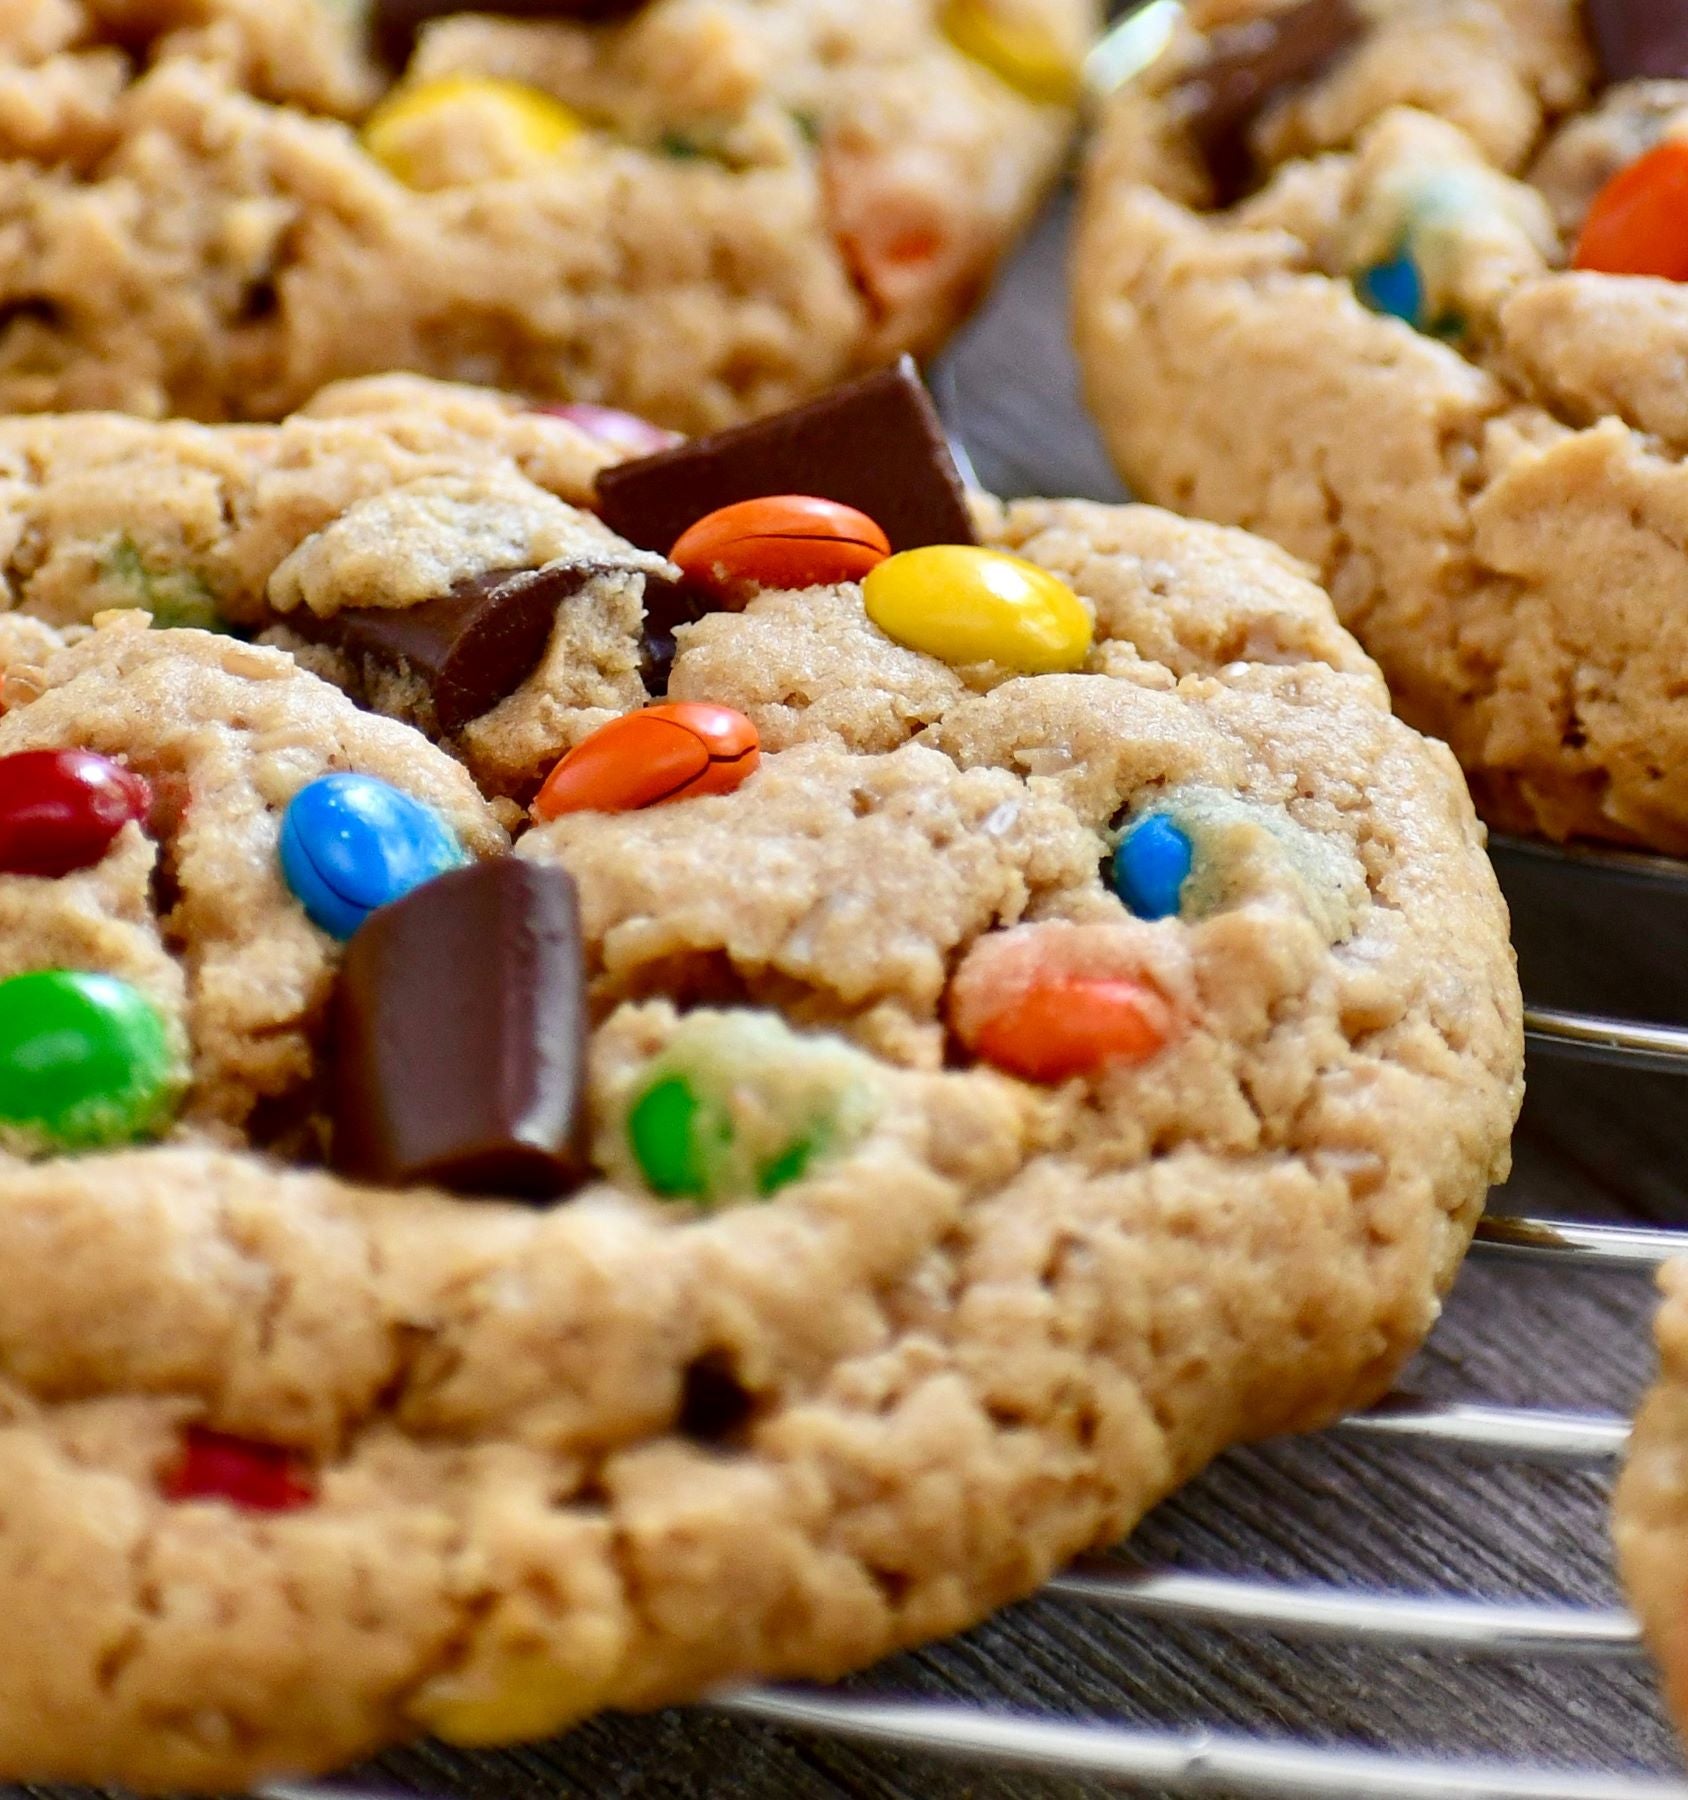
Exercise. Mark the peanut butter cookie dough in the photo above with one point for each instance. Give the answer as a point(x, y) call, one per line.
point(1356, 276)
point(1651, 1518)
point(998, 1012)
point(700, 210)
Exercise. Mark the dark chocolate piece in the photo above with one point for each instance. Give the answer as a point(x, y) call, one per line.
point(876, 444)
point(1248, 66)
point(668, 606)
point(474, 646)
point(1640, 38)
point(395, 25)
point(460, 1037)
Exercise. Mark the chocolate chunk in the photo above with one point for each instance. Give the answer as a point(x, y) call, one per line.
point(668, 606)
point(876, 444)
point(473, 646)
point(1248, 66)
point(394, 25)
point(1638, 38)
point(460, 1037)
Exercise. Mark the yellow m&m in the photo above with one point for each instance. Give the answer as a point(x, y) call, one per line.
point(967, 605)
point(1017, 51)
point(463, 127)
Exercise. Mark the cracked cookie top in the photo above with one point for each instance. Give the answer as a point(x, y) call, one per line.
point(698, 209)
point(1396, 240)
point(967, 1032)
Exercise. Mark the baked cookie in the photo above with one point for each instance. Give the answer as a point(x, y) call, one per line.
point(1651, 1503)
point(1013, 1015)
point(1365, 278)
point(697, 209)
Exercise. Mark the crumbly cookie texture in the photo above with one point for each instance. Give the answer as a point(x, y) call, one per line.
point(620, 1451)
point(383, 493)
point(199, 918)
point(1495, 501)
point(765, 197)
point(1650, 1518)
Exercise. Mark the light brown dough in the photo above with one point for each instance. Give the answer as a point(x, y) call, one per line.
point(623, 1450)
point(1500, 511)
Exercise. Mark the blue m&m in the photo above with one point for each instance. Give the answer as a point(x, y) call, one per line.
point(1151, 865)
point(351, 843)
point(1395, 288)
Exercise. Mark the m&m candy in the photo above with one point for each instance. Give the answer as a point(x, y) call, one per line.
point(1059, 1026)
point(85, 1060)
point(256, 1477)
point(1056, 1001)
point(61, 809)
point(1015, 50)
point(783, 541)
point(1638, 224)
point(1394, 288)
point(671, 752)
point(1151, 865)
point(528, 126)
point(617, 430)
point(351, 843)
point(967, 605)
point(739, 1106)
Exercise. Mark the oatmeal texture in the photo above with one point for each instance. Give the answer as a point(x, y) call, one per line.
point(762, 198)
point(622, 1450)
point(384, 493)
point(1496, 500)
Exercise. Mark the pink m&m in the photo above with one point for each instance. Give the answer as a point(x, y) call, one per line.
point(60, 809)
point(617, 430)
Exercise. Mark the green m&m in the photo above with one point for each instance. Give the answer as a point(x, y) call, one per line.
point(738, 1106)
point(85, 1061)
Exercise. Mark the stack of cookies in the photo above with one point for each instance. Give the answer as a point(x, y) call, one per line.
point(632, 1060)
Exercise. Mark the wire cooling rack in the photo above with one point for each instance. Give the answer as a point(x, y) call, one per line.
point(1246, 1767)
point(1206, 1763)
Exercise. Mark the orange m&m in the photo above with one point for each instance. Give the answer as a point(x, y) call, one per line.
point(1066, 1025)
point(1638, 224)
point(1056, 1000)
point(780, 541)
point(671, 752)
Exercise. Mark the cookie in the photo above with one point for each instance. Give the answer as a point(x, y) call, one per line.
point(385, 494)
point(1012, 1019)
point(1368, 303)
point(1651, 1502)
point(700, 210)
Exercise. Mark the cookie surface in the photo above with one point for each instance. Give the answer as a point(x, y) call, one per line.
point(700, 210)
point(1478, 446)
point(1650, 1519)
point(942, 1211)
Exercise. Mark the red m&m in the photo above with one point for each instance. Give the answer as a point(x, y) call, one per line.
point(253, 1476)
point(60, 809)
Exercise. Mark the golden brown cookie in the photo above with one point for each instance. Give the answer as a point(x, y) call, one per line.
point(1342, 310)
point(699, 210)
point(1004, 1026)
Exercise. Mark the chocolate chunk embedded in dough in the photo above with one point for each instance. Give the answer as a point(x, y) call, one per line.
point(394, 25)
point(1246, 67)
point(875, 444)
point(1640, 38)
point(460, 1037)
point(473, 646)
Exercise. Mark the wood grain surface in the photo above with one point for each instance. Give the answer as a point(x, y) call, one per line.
point(1595, 1143)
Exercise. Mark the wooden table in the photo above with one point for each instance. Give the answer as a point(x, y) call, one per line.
point(1594, 1143)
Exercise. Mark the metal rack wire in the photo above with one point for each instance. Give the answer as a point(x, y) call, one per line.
point(1205, 1763)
